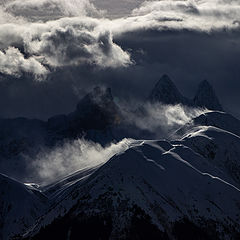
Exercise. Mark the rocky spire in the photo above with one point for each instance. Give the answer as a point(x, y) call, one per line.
point(206, 97)
point(166, 92)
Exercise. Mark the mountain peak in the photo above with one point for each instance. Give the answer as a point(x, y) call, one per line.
point(206, 97)
point(166, 92)
point(98, 96)
point(97, 109)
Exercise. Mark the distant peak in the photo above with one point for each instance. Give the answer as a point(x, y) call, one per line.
point(165, 79)
point(101, 91)
point(166, 92)
point(205, 84)
point(99, 96)
point(206, 97)
point(97, 109)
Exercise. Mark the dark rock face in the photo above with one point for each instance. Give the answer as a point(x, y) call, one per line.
point(166, 92)
point(206, 97)
point(96, 110)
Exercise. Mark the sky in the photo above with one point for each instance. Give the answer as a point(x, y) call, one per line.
point(54, 51)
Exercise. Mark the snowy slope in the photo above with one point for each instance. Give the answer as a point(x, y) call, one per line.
point(20, 206)
point(220, 147)
point(154, 183)
point(215, 136)
point(152, 189)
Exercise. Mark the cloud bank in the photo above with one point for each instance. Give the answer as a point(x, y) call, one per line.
point(56, 33)
point(71, 38)
point(73, 45)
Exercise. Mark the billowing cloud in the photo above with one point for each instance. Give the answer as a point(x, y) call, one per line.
point(81, 40)
point(64, 42)
point(189, 40)
point(194, 15)
point(44, 10)
point(12, 62)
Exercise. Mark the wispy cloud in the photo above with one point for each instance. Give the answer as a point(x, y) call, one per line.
point(76, 155)
point(162, 119)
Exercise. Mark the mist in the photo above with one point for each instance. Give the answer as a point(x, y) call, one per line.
point(162, 120)
point(53, 164)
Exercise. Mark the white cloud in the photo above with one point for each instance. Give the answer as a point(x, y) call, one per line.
point(12, 62)
point(64, 42)
point(163, 119)
point(193, 15)
point(36, 10)
point(73, 156)
point(189, 14)
point(79, 39)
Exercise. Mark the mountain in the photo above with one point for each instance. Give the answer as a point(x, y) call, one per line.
point(215, 136)
point(166, 92)
point(96, 110)
point(20, 206)
point(217, 119)
point(206, 97)
point(21, 139)
point(155, 190)
point(180, 188)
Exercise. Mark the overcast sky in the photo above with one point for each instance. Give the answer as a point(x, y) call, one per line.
point(53, 51)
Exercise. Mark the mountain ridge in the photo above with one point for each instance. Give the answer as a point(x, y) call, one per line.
point(166, 92)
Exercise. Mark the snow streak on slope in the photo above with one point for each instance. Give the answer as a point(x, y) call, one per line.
point(51, 165)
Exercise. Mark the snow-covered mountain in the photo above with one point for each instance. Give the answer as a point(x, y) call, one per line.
point(186, 187)
point(20, 206)
point(22, 139)
point(155, 190)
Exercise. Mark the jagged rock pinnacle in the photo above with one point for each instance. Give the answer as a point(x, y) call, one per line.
point(166, 92)
point(206, 97)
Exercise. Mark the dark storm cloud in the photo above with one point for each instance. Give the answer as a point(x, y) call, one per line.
point(189, 40)
point(188, 57)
